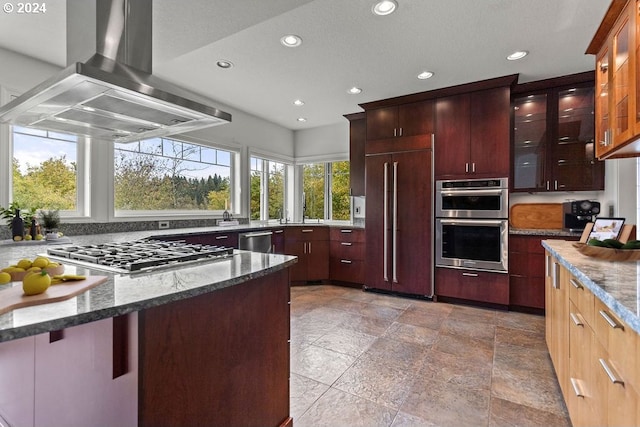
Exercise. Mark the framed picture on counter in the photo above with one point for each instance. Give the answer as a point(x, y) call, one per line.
point(606, 228)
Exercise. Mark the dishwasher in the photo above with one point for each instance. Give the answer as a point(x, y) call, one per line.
point(256, 241)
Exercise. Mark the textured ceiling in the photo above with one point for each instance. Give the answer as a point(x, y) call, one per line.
point(344, 45)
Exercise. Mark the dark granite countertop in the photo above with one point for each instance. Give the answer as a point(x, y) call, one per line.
point(122, 294)
point(544, 232)
point(616, 284)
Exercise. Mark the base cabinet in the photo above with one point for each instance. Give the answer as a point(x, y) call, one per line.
point(594, 353)
point(472, 285)
point(346, 262)
point(311, 246)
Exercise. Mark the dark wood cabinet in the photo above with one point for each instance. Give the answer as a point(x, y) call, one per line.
point(277, 241)
point(398, 228)
point(553, 137)
point(311, 246)
point(472, 135)
point(410, 119)
point(227, 239)
point(527, 271)
point(470, 285)
point(347, 255)
point(357, 140)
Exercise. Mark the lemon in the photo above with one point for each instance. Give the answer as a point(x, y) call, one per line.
point(17, 238)
point(27, 237)
point(53, 265)
point(34, 268)
point(4, 278)
point(40, 262)
point(39, 236)
point(36, 283)
point(24, 263)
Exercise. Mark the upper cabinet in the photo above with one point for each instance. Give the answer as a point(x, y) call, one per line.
point(553, 137)
point(472, 135)
point(616, 46)
point(400, 120)
point(357, 139)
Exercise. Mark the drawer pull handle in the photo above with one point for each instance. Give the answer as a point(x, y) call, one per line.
point(345, 261)
point(470, 274)
point(576, 387)
point(346, 231)
point(576, 284)
point(307, 230)
point(612, 376)
point(346, 243)
point(279, 231)
point(576, 319)
point(221, 237)
point(610, 321)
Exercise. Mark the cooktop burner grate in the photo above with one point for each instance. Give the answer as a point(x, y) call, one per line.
point(138, 255)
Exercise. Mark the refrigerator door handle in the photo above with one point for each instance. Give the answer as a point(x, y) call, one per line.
point(395, 221)
point(385, 222)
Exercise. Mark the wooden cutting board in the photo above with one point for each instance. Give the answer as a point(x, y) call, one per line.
point(14, 297)
point(536, 215)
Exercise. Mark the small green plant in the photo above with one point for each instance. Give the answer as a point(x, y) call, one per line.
point(50, 220)
point(9, 213)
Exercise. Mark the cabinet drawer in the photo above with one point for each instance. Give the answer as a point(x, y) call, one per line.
point(346, 270)
point(620, 342)
point(472, 285)
point(346, 234)
point(582, 298)
point(526, 244)
point(306, 233)
point(348, 250)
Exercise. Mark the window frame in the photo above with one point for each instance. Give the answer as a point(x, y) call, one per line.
point(327, 185)
point(288, 179)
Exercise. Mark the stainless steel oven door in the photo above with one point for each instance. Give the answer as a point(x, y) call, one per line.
point(469, 202)
point(472, 244)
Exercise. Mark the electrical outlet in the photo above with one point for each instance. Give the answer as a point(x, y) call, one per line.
point(163, 224)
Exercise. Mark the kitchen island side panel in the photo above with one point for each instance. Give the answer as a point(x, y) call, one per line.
point(218, 359)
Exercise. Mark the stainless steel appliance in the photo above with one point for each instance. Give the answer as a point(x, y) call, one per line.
point(257, 241)
point(577, 213)
point(138, 255)
point(112, 96)
point(472, 228)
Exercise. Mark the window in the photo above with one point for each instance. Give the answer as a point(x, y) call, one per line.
point(326, 190)
point(268, 189)
point(45, 170)
point(162, 174)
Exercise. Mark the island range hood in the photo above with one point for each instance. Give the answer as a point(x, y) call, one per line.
point(113, 95)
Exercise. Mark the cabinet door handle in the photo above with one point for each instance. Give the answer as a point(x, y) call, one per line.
point(395, 132)
point(470, 274)
point(279, 231)
point(577, 320)
point(305, 247)
point(221, 237)
point(473, 167)
point(555, 184)
point(400, 131)
point(548, 186)
point(576, 387)
point(346, 230)
point(576, 284)
point(345, 261)
point(308, 230)
point(610, 321)
point(466, 167)
point(309, 247)
point(346, 243)
point(610, 373)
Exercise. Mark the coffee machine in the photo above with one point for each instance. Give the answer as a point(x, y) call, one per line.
point(577, 213)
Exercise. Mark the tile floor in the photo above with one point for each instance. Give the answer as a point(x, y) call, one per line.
point(367, 359)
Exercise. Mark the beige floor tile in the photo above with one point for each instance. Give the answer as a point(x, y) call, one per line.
point(465, 346)
point(304, 392)
point(345, 341)
point(337, 408)
point(468, 327)
point(411, 334)
point(523, 338)
point(319, 363)
point(364, 324)
point(459, 370)
point(408, 420)
point(508, 414)
point(391, 352)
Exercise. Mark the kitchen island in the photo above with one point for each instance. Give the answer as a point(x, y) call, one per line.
point(203, 344)
point(592, 332)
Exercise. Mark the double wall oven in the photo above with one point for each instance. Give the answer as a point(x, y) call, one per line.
point(472, 227)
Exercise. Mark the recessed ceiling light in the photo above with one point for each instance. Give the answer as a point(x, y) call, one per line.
point(298, 102)
point(425, 75)
point(384, 7)
point(354, 90)
point(518, 54)
point(223, 63)
point(291, 40)
point(302, 119)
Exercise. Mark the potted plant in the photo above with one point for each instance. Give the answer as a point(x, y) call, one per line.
point(50, 220)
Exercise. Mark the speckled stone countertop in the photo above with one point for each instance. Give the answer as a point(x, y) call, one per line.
point(128, 293)
point(616, 284)
point(544, 232)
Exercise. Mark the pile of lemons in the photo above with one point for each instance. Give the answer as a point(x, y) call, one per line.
point(37, 279)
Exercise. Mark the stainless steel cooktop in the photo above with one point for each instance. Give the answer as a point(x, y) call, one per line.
point(138, 255)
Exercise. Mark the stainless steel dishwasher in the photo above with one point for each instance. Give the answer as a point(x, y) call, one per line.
point(256, 241)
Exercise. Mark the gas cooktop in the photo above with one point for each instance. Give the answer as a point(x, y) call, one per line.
point(137, 255)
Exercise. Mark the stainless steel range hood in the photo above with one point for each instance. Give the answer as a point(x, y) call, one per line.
point(113, 95)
